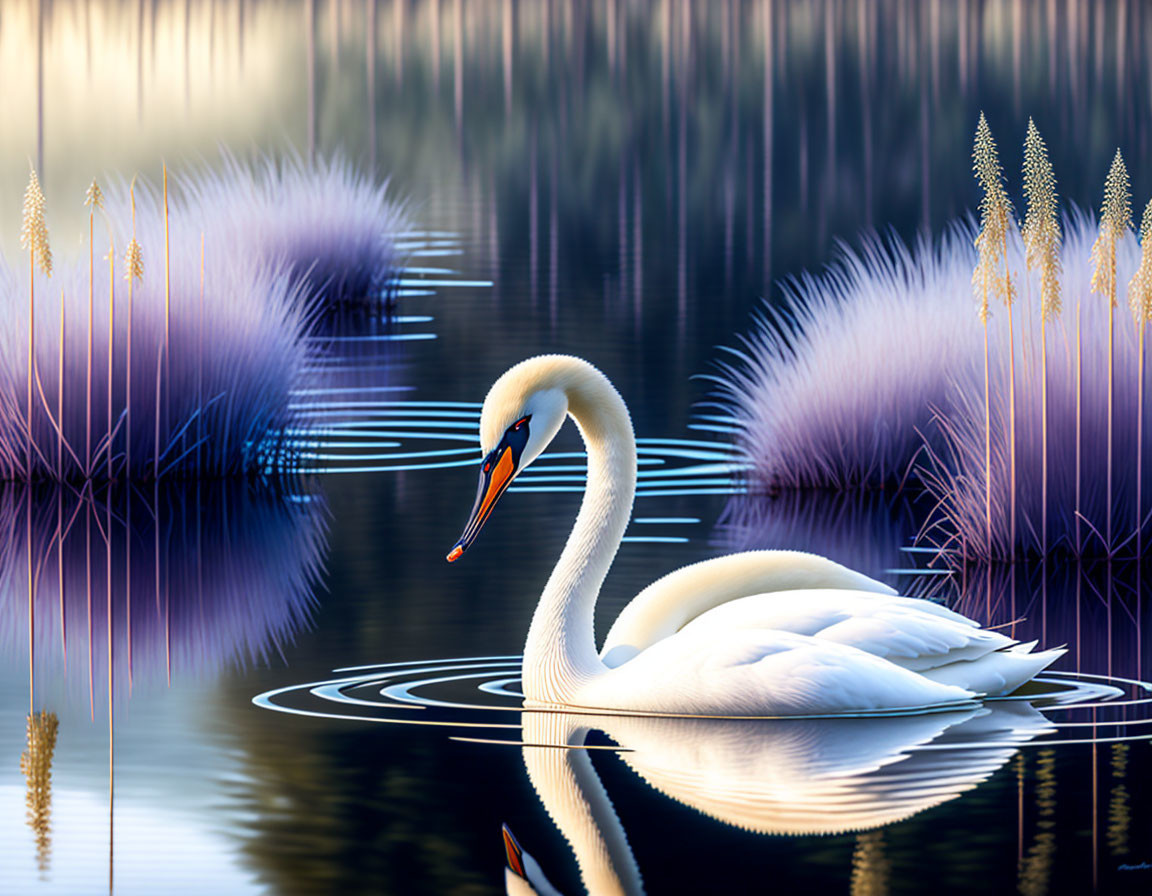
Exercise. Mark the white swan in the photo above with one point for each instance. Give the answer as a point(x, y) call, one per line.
point(760, 633)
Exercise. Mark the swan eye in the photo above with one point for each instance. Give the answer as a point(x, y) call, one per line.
point(521, 422)
point(487, 468)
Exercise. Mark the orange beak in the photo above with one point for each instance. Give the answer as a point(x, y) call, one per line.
point(496, 474)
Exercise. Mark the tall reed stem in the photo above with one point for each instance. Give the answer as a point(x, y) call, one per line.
point(987, 450)
point(1043, 434)
point(1011, 413)
point(1140, 445)
point(1079, 423)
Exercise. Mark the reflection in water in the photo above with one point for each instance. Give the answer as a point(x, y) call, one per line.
point(870, 865)
point(864, 530)
point(36, 764)
point(1036, 866)
point(792, 777)
point(209, 574)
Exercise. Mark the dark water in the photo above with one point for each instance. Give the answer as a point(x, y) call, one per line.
point(619, 180)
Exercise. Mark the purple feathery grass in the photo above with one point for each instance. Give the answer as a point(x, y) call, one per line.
point(332, 226)
point(839, 390)
point(237, 568)
point(210, 388)
point(955, 475)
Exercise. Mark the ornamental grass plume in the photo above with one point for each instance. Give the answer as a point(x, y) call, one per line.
point(991, 278)
point(1140, 300)
point(36, 764)
point(1115, 222)
point(1041, 236)
point(229, 380)
point(334, 227)
point(838, 387)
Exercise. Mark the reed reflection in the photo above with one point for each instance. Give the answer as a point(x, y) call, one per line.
point(208, 575)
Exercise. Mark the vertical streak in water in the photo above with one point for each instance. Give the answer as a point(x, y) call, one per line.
point(398, 39)
point(458, 64)
point(436, 47)
point(637, 245)
point(334, 36)
point(553, 244)
point(508, 33)
point(370, 76)
point(962, 44)
point(533, 217)
point(310, 62)
point(40, 88)
point(864, 34)
point(1052, 48)
point(925, 162)
point(769, 15)
point(665, 63)
point(622, 222)
point(934, 48)
point(1017, 50)
point(139, 58)
point(187, 53)
point(682, 212)
point(825, 199)
point(240, 34)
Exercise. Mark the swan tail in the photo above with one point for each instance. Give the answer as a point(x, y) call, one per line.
point(997, 674)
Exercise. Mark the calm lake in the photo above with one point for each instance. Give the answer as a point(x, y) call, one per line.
point(246, 709)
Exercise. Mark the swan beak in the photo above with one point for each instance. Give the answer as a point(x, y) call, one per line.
point(513, 853)
point(495, 475)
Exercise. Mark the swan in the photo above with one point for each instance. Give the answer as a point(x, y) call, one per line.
point(761, 633)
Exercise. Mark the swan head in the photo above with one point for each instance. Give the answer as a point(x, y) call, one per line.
point(524, 410)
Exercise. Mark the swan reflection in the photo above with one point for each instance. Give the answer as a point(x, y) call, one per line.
point(789, 777)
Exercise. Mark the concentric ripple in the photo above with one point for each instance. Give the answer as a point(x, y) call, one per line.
point(483, 693)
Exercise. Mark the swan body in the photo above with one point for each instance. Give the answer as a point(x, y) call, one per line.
point(758, 634)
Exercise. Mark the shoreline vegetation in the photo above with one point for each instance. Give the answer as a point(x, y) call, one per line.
point(170, 345)
point(996, 370)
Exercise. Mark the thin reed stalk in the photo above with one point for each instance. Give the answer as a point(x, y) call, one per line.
point(94, 199)
point(991, 278)
point(1115, 221)
point(1041, 235)
point(133, 271)
point(1140, 301)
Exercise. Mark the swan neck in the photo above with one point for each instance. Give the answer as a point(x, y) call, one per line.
point(560, 653)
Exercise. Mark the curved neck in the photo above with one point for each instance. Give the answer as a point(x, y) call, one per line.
point(560, 653)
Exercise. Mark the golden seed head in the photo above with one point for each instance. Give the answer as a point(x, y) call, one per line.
point(1140, 286)
point(991, 277)
point(1041, 230)
point(133, 261)
point(33, 229)
point(1115, 221)
point(94, 197)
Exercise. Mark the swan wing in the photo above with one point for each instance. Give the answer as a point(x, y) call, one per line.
point(755, 672)
point(913, 633)
point(669, 603)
